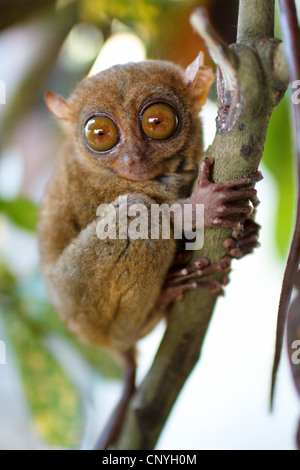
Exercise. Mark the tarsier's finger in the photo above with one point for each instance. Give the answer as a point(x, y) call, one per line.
point(250, 239)
point(227, 209)
point(175, 293)
point(223, 266)
point(246, 249)
point(237, 195)
point(180, 280)
point(201, 263)
point(204, 171)
point(189, 268)
point(245, 181)
point(254, 200)
point(193, 272)
point(225, 222)
point(212, 286)
point(240, 248)
point(249, 227)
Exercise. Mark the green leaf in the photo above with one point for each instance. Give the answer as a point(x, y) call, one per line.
point(53, 400)
point(22, 212)
point(279, 158)
point(145, 12)
point(100, 359)
point(7, 281)
point(45, 319)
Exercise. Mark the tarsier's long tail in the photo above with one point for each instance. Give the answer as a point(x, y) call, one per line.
point(291, 36)
point(286, 293)
point(113, 428)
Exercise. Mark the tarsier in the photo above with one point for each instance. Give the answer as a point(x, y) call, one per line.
point(132, 130)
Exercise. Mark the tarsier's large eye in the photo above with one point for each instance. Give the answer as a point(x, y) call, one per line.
point(101, 133)
point(159, 121)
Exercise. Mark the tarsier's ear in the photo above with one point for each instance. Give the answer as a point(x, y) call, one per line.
point(199, 78)
point(57, 105)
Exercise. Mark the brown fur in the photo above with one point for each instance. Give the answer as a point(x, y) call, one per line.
point(106, 290)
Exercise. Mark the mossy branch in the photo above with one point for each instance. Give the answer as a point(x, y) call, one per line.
point(251, 80)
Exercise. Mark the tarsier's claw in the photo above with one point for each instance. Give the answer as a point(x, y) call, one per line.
point(254, 200)
point(258, 177)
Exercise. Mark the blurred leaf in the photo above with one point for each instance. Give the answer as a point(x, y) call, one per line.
point(45, 319)
point(21, 211)
point(7, 281)
point(100, 359)
point(12, 11)
point(54, 27)
point(53, 400)
point(145, 12)
point(279, 158)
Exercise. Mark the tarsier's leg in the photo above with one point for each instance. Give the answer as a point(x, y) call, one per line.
point(114, 425)
point(186, 275)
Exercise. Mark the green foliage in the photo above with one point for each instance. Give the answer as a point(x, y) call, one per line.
point(144, 12)
point(22, 212)
point(53, 400)
point(279, 158)
point(45, 320)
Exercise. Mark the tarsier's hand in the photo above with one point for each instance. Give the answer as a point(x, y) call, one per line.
point(244, 241)
point(219, 198)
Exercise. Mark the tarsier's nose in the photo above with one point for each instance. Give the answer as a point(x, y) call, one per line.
point(132, 159)
point(135, 167)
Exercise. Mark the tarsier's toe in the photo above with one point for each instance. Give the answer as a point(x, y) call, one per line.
point(189, 278)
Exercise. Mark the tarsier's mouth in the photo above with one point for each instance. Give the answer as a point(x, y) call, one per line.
point(137, 177)
point(140, 176)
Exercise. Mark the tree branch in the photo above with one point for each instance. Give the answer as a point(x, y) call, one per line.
point(256, 20)
point(237, 150)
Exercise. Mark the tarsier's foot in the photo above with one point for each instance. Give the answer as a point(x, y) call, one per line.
point(185, 275)
point(219, 198)
point(184, 279)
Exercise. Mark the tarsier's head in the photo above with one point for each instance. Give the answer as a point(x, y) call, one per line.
point(139, 120)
